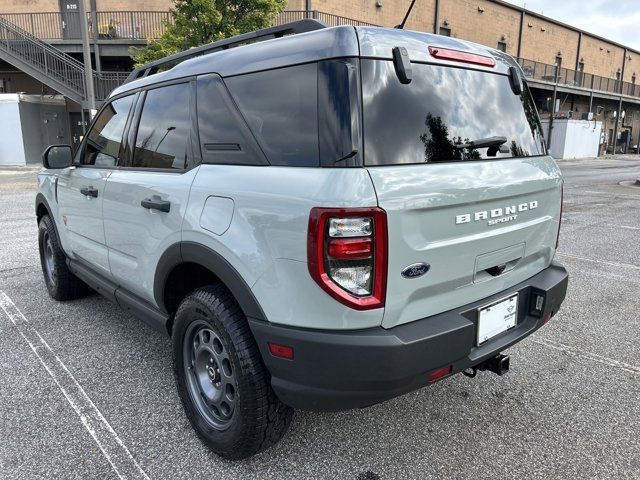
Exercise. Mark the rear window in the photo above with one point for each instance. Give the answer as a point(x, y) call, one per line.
point(427, 120)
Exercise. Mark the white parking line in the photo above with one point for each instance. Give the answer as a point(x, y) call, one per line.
point(579, 352)
point(597, 192)
point(603, 262)
point(110, 444)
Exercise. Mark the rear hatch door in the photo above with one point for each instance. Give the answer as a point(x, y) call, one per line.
point(480, 218)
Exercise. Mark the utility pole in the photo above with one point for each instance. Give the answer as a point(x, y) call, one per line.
point(94, 30)
point(86, 56)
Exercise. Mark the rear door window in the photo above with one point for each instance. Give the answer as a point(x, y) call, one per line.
point(281, 108)
point(164, 128)
point(443, 108)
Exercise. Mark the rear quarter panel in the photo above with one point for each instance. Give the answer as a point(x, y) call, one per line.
point(266, 240)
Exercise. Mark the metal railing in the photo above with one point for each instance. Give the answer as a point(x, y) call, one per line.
point(105, 82)
point(63, 70)
point(117, 25)
point(133, 25)
point(52, 67)
point(328, 18)
point(576, 78)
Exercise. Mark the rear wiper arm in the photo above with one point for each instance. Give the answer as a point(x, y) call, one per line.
point(484, 142)
point(494, 145)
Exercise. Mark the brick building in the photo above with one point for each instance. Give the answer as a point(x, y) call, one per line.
point(571, 72)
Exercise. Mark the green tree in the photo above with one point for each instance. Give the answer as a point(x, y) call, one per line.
point(196, 22)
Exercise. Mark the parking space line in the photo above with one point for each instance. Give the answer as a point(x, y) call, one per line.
point(603, 262)
point(108, 441)
point(608, 194)
point(579, 352)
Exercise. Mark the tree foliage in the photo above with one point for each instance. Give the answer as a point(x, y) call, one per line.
point(196, 22)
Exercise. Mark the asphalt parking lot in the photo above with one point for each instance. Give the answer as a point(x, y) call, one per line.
point(86, 391)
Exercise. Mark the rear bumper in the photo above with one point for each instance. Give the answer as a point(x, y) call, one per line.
point(338, 370)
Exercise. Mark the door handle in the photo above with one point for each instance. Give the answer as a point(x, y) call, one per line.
point(156, 203)
point(89, 192)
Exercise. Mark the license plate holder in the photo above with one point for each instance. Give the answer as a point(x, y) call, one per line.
point(497, 317)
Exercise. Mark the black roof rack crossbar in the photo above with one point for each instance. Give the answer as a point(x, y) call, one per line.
point(301, 26)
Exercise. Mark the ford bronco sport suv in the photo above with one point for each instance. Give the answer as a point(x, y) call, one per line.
point(322, 220)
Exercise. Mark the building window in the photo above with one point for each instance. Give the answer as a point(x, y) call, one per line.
point(618, 75)
point(633, 79)
point(559, 62)
point(444, 31)
point(502, 46)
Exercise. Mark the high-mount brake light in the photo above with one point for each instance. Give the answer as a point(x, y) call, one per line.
point(464, 57)
point(347, 254)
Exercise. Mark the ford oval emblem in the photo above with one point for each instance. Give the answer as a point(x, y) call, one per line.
point(416, 270)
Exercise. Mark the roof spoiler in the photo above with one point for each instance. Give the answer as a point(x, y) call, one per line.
point(301, 26)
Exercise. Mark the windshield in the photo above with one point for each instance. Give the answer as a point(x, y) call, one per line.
point(442, 113)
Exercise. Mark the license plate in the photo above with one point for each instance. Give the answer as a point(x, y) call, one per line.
point(497, 318)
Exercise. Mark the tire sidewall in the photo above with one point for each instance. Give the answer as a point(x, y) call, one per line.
point(223, 440)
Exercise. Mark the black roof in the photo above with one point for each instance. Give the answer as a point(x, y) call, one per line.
point(319, 44)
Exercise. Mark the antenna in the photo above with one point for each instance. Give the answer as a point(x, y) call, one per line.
point(404, 20)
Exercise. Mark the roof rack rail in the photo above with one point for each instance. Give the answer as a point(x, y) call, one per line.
point(292, 28)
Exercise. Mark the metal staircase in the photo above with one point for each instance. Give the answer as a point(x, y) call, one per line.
point(49, 65)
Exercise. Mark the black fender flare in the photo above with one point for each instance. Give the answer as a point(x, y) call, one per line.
point(191, 252)
point(42, 200)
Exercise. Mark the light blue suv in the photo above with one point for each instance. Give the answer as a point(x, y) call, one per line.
point(321, 220)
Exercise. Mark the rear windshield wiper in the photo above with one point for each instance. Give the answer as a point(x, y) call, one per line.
point(494, 144)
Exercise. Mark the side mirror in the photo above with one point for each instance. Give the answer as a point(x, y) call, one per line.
point(57, 156)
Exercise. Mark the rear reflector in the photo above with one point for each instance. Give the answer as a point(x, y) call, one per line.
point(464, 57)
point(560, 217)
point(439, 373)
point(281, 351)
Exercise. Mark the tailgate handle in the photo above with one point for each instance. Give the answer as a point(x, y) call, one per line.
point(497, 270)
point(498, 262)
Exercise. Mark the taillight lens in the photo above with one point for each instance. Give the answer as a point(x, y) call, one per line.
point(561, 209)
point(347, 254)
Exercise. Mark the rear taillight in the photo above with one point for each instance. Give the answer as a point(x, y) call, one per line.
point(347, 254)
point(561, 209)
point(464, 57)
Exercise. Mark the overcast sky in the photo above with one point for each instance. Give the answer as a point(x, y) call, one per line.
point(617, 20)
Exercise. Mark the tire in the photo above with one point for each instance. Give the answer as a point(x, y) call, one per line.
point(61, 283)
point(223, 384)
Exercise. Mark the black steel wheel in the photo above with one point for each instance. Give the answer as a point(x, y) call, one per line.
point(61, 283)
point(223, 384)
point(210, 379)
point(48, 264)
